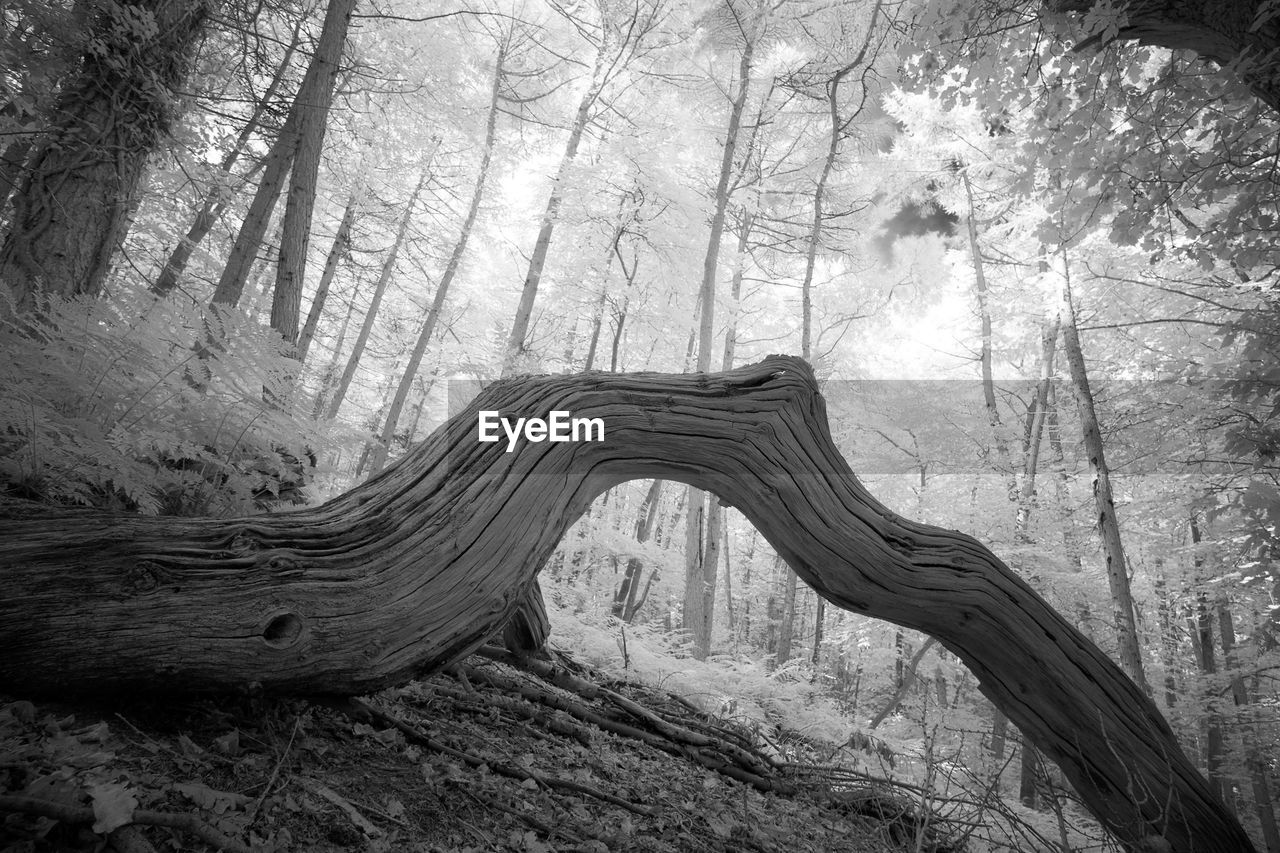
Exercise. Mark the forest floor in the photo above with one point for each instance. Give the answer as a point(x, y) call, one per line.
point(493, 755)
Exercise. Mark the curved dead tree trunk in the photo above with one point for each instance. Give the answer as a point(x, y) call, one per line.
point(420, 565)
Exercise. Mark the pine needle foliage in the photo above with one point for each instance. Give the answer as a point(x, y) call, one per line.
point(105, 403)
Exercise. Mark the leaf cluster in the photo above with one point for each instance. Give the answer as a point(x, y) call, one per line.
point(107, 405)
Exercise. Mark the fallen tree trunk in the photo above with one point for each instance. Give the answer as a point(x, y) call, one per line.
point(414, 569)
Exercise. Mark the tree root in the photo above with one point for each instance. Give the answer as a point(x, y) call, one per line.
point(359, 707)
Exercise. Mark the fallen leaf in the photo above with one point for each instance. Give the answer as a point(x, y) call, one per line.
point(113, 806)
point(229, 744)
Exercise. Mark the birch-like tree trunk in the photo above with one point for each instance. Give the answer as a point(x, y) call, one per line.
point(1108, 524)
point(375, 302)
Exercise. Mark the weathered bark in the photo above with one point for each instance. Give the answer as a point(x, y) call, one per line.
point(72, 209)
point(1107, 523)
point(379, 290)
point(216, 196)
point(417, 567)
point(312, 112)
point(450, 270)
point(341, 245)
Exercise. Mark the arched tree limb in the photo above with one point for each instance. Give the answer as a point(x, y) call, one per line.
point(414, 569)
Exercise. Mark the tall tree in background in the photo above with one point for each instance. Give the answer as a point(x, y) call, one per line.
point(837, 131)
point(306, 119)
point(72, 209)
point(618, 38)
point(217, 196)
point(312, 112)
point(745, 23)
point(337, 251)
point(379, 456)
point(1126, 624)
point(379, 291)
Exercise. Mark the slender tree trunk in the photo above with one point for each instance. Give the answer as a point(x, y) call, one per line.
point(341, 245)
point(217, 196)
point(516, 342)
point(839, 125)
point(905, 679)
point(999, 735)
point(1168, 650)
point(314, 97)
point(379, 289)
point(697, 596)
point(1062, 485)
point(620, 314)
point(71, 212)
point(329, 379)
point(248, 242)
point(1036, 419)
point(624, 598)
point(1201, 626)
point(280, 158)
point(597, 322)
point(1263, 802)
point(450, 271)
point(1028, 760)
point(787, 618)
point(1108, 524)
point(728, 587)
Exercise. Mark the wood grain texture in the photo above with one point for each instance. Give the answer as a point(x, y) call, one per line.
point(416, 568)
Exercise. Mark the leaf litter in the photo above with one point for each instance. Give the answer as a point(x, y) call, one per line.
point(492, 756)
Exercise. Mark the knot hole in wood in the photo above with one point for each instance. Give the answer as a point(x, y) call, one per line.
point(283, 630)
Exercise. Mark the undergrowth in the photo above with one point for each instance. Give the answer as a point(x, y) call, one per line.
point(934, 756)
point(108, 404)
